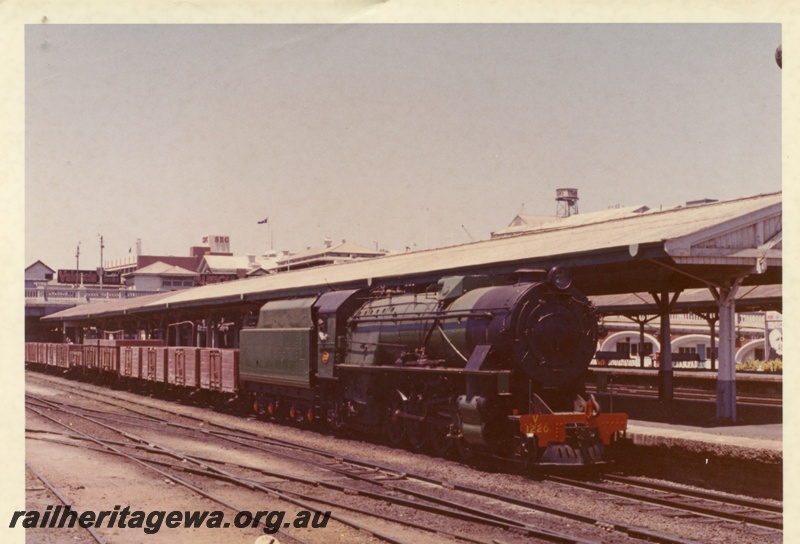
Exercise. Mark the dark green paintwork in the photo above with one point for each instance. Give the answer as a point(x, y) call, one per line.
point(275, 356)
point(279, 350)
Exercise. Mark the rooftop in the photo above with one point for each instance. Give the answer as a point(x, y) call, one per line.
point(161, 269)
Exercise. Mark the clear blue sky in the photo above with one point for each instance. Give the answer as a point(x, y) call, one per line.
point(398, 134)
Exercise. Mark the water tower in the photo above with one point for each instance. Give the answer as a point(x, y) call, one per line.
point(566, 202)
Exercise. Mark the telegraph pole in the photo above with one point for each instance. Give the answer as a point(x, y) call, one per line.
point(78, 261)
point(101, 260)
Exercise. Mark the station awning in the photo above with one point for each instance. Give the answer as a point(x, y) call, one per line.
point(656, 251)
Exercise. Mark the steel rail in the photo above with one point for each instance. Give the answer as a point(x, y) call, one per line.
point(684, 394)
point(633, 531)
point(456, 510)
point(149, 466)
point(64, 501)
point(672, 503)
point(271, 491)
point(630, 530)
point(318, 500)
point(736, 501)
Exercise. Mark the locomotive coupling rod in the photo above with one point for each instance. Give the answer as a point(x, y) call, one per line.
point(406, 415)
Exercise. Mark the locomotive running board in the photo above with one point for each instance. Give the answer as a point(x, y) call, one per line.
point(495, 381)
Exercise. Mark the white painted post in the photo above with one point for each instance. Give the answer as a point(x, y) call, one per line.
point(726, 376)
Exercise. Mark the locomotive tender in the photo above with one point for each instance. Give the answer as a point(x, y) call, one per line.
point(489, 365)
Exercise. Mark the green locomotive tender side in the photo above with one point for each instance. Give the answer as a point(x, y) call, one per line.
point(278, 351)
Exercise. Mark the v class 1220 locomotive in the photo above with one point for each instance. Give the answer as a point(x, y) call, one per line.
point(489, 366)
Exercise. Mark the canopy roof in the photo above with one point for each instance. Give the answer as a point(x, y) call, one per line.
point(669, 250)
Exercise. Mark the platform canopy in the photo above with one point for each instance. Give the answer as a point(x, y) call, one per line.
point(710, 245)
point(753, 298)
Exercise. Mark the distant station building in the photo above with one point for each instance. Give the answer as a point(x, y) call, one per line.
point(126, 266)
point(38, 274)
point(212, 245)
point(690, 336)
point(219, 268)
point(48, 290)
point(160, 276)
point(214, 262)
point(327, 254)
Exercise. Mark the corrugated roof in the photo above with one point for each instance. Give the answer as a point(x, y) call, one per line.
point(525, 249)
point(114, 306)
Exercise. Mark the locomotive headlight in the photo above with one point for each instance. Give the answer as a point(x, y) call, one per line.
point(560, 277)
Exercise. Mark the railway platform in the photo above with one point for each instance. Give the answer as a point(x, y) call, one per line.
point(756, 384)
point(682, 440)
point(767, 438)
point(746, 459)
point(635, 392)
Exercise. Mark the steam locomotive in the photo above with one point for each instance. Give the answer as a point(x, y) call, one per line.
point(491, 366)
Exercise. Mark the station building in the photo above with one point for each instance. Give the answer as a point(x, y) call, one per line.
point(48, 291)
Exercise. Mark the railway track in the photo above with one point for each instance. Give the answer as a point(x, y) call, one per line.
point(158, 467)
point(693, 502)
point(64, 501)
point(422, 492)
point(211, 468)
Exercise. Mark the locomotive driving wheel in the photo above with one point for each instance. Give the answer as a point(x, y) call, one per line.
point(529, 454)
point(395, 425)
point(464, 450)
point(416, 434)
point(438, 437)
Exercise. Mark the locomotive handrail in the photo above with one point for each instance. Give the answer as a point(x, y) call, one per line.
point(420, 316)
point(450, 343)
point(364, 344)
point(438, 369)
